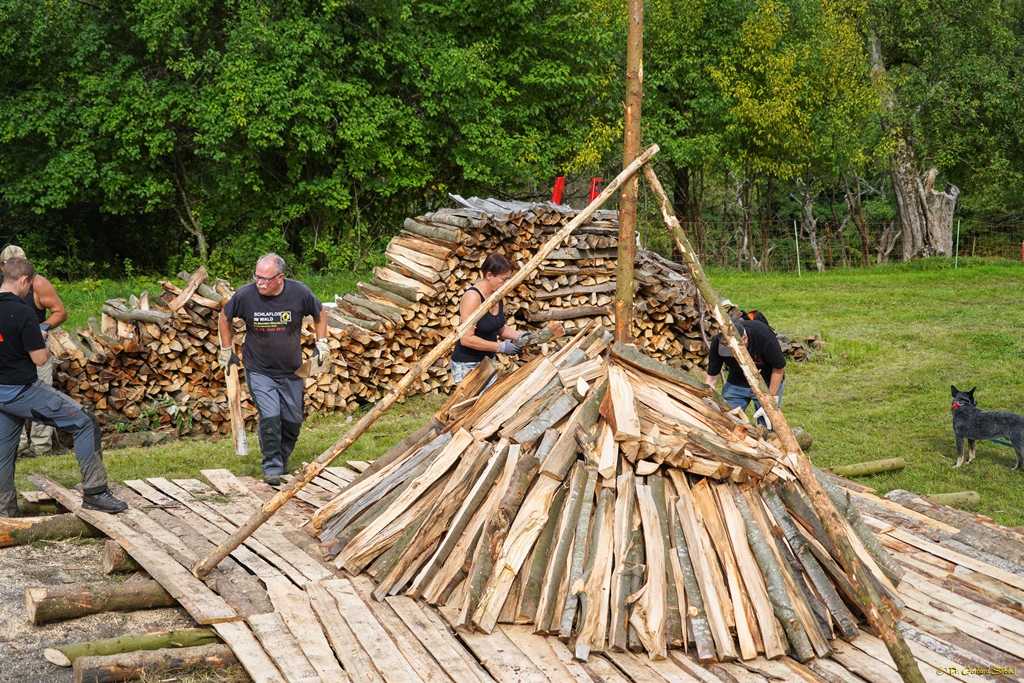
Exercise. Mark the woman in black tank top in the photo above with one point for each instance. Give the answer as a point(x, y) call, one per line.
point(491, 335)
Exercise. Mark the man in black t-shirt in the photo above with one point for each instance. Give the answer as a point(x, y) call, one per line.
point(764, 349)
point(272, 308)
point(24, 397)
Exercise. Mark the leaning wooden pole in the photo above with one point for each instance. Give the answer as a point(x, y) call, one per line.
point(630, 150)
point(875, 610)
point(310, 471)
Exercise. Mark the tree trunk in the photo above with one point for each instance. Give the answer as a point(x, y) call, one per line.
point(808, 223)
point(630, 151)
point(45, 604)
point(116, 560)
point(926, 215)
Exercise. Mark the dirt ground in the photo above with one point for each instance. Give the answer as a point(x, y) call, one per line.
point(53, 564)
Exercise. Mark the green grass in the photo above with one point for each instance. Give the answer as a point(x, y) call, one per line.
point(898, 337)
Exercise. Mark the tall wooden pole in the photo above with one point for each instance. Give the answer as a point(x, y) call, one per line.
point(630, 150)
point(875, 610)
point(310, 471)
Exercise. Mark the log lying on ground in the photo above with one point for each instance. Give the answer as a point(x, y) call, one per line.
point(128, 666)
point(65, 655)
point(955, 498)
point(116, 560)
point(23, 530)
point(44, 604)
point(861, 469)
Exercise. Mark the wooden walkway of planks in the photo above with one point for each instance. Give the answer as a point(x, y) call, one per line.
point(291, 617)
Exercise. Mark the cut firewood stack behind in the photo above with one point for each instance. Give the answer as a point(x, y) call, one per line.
point(155, 358)
point(611, 499)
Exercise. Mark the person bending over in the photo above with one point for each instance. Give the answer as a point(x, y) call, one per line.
point(764, 349)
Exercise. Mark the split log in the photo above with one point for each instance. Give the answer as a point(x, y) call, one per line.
point(65, 655)
point(128, 666)
point(24, 530)
point(861, 469)
point(136, 315)
point(44, 604)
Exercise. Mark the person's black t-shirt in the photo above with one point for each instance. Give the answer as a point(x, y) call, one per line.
point(273, 326)
point(763, 346)
point(19, 334)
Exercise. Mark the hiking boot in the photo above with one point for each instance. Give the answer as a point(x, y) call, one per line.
point(272, 480)
point(104, 502)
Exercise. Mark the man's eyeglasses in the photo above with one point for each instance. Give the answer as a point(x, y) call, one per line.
point(265, 280)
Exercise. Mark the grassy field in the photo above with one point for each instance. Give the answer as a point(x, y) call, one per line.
point(898, 337)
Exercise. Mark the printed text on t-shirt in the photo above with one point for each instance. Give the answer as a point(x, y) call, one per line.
point(271, 321)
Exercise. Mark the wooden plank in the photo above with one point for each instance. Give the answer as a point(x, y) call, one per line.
point(686, 663)
point(649, 612)
point(962, 604)
point(441, 645)
point(438, 621)
point(293, 606)
point(875, 648)
point(907, 512)
point(249, 652)
point(410, 647)
point(538, 649)
point(635, 667)
point(959, 558)
point(297, 564)
point(282, 647)
point(205, 606)
point(371, 635)
point(498, 654)
point(353, 657)
point(865, 666)
point(243, 554)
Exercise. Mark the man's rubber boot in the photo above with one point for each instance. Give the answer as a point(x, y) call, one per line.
point(270, 445)
point(104, 501)
point(289, 437)
point(9, 504)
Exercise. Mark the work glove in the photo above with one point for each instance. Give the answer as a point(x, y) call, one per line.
point(508, 347)
point(524, 339)
point(226, 357)
point(321, 355)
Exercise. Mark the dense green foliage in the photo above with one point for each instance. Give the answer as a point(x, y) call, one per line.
point(150, 135)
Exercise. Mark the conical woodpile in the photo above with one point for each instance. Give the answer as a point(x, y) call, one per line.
point(612, 500)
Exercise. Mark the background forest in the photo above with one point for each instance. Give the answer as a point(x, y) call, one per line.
point(146, 136)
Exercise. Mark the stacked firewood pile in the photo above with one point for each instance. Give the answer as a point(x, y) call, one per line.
point(154, 360)
point(610, 499)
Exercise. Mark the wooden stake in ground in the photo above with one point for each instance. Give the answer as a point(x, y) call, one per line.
point(630, 150)
point(313, 469)
point(878, 616)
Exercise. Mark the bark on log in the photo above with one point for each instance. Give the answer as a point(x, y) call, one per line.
point(65, 655)
point(45, 604)
point(116, 560)
point(137, 315)
point(128, 666)
point(24, 530)
point(861, 469)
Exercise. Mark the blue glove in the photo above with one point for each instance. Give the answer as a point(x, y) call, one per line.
point(508, 347)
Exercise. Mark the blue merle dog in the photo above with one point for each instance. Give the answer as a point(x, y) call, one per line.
point(972, 423)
